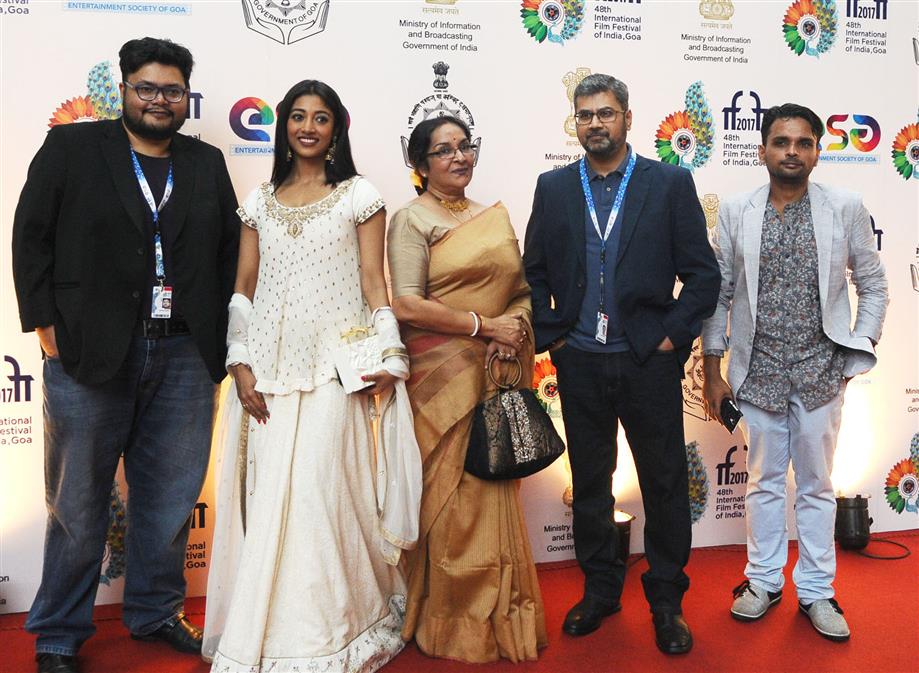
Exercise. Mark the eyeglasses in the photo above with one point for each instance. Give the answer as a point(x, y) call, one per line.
point(606, 115)
point(445, 153)
point(149, 92)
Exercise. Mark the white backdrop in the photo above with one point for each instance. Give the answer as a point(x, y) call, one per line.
point(858, 69)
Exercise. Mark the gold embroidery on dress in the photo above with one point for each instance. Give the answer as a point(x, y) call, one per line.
point(246, 219)
point(295, 217)
point(242, 465)
point(365, 214)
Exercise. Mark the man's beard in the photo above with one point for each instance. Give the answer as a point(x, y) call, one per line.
point(138, 127)
point(789, 178)
point(603, 151)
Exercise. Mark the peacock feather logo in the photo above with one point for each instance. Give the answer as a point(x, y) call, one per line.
point(810, 26)
point(103, 91)
point(905, 152)
point(103, 100)
point(114, 539)
point(553, 20)
point(698, 481)
point(686, 138)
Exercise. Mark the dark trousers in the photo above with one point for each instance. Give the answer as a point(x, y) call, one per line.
point(598, 391)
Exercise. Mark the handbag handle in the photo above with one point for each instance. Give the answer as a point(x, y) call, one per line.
point(504, 386)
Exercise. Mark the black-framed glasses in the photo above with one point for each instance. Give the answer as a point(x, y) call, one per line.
point(606, 115)
point(468, 150)
point(148, 92)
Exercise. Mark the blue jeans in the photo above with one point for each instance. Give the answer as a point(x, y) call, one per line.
point(158, 411)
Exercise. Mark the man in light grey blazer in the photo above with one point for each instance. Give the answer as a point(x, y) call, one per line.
point(784, 250)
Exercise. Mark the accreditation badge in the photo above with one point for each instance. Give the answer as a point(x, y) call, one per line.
point(161, 306)
point(602, 324)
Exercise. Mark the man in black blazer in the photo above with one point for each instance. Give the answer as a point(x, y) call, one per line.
point(607, 238)
point(124, 253)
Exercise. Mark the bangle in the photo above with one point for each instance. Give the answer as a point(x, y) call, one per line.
point(478, 323)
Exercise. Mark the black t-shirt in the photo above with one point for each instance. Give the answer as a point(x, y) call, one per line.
point(156, 170)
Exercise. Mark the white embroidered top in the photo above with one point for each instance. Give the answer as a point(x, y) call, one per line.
point(309, 289)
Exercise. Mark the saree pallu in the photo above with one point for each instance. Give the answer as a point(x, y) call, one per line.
point(473, 593)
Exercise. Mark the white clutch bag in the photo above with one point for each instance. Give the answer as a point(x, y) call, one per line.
point(360, 355)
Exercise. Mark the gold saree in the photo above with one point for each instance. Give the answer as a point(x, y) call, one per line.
point(473, 594)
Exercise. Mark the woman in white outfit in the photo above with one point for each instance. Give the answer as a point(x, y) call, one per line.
point(303, 574)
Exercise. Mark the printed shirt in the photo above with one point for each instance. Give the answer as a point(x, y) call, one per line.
point(790, 349)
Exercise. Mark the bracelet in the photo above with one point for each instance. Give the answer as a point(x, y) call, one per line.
point(478, 323)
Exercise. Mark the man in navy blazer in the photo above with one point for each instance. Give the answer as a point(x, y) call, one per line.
point(607, 238)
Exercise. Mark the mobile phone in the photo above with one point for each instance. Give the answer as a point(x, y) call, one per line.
point(730, 414)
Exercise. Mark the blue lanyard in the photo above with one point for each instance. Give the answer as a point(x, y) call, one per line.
point(155, 211)
point(614, 213)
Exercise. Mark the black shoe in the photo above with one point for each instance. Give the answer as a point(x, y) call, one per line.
point(56, 663)
point(180, 634)
point(585, 617)
point(671, 632)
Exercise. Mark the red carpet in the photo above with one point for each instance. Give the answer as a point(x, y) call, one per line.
point(881, 600)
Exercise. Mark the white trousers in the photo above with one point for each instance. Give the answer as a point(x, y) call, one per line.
point(806, 439)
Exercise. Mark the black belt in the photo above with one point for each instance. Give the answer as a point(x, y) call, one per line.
point(154, 328)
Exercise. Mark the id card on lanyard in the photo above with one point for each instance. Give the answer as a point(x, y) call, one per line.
point(602, 315)
point(161, 301)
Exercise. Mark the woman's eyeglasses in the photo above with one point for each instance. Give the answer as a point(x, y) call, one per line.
point(468, 150)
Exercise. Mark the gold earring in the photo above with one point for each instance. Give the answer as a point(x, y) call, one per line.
point(330, 155)
point(289, 155)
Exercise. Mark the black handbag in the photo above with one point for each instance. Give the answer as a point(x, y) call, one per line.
point(512, 435)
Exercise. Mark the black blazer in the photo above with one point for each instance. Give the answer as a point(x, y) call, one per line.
point(663, 237)
point(80, 254)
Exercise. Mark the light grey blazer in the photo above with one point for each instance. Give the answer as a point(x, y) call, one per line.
point(844, 237)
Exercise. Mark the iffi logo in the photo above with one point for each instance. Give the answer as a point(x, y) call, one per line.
point(727, 475)
point(735, 121)
point(866, 9)
point(20, 388)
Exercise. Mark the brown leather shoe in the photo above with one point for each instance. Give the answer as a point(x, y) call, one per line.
point(179, 633)
point(56, 663)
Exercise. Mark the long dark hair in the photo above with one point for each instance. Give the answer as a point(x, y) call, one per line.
point(342, 166)
point(420, 141)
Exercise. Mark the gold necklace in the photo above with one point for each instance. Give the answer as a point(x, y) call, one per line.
point(457, 206)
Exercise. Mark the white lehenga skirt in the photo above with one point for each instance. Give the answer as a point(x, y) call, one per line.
point(304, 587)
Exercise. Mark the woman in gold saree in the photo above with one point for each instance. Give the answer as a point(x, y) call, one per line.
point(460, 294)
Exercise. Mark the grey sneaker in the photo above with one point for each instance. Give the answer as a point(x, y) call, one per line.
point(826, 617)
point(751, 601)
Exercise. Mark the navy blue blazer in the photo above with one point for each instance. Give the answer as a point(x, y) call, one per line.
point(663, 237)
